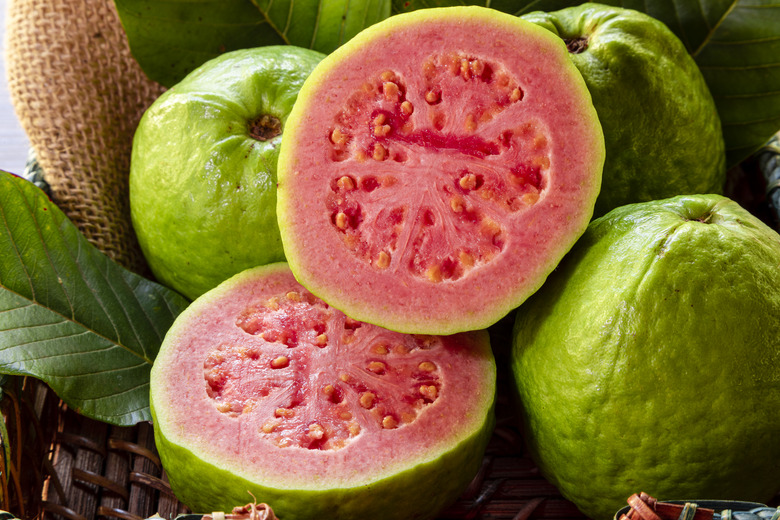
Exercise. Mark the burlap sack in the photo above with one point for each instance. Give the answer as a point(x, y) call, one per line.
point(79, 94)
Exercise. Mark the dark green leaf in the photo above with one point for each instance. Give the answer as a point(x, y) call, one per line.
point(736, 44)
point(169, 38)
point(322, 25)
point(71, 316)
point(516, 7)
point(740, 59)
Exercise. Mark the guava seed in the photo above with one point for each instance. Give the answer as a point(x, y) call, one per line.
point(391, 91)
point(284, 412)
point(346, 183)
point(383, 260)
point(316, 431)
point(429, 392)
point(280, 362)
point(433, 97)
point(377, 367)
point(389, 422)
point(427, 366)
point(367, 400)
point(380, 349)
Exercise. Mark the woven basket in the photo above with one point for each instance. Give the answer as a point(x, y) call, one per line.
point(84, 469)
point(79, 469)
point(66, 466)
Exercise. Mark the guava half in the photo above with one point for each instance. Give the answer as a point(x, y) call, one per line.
point(661, 126)
point(262, 388)
point(203, 167)
point(649, 359)
point(436, 168)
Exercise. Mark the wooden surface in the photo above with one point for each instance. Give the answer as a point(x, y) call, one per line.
point(13, 143)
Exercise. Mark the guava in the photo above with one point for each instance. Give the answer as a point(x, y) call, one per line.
point(435, 169)
point(203, 167)
point(649, 360)
point(661, 126)
point(262, 388)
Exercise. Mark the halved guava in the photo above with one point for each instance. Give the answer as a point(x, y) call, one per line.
point(436, 168)
point(262, 388)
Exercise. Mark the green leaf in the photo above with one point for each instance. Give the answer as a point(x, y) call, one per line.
point(71, 316)
point(740, 59)
point(170, 38)
point(322, 25)
point(736, 44)
point(516, 7)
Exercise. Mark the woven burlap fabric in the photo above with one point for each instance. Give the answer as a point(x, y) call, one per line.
point(79, 94)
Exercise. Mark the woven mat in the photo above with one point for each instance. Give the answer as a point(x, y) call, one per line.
point(79, 94)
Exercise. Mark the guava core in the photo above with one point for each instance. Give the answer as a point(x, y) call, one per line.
point(203, 167)
point(262, 388)
point(661, 126)
point(649, 360)
point(436, 167)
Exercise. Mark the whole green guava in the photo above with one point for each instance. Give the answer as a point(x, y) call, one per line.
point(203, 167)
point(649, 360)
point(661, 126)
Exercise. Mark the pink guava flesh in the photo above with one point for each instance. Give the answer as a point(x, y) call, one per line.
point(435, 171)
point(268, 380)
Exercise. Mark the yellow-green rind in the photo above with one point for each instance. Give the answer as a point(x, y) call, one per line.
point(201, 479)
point(648, 361)
point(390, 314)
point(420, 492)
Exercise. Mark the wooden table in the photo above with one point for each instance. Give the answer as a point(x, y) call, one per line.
point(13, 142)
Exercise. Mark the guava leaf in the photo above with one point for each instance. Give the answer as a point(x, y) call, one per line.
point(736, 44)
point(170, 38)
point(71, 316)
point(516, 7)
point(737, 47)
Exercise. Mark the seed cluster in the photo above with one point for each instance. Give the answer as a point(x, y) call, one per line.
point(385, 122)
point(295, 353)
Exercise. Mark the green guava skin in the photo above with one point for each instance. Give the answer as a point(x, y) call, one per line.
point(649, 360)
point(661, 126)
point(202, 189)
point(421, 492)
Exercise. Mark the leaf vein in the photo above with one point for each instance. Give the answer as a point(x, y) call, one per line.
point(712, 30)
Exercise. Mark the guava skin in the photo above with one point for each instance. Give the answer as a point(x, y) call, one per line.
point(662, 130)
point(203, 167)
point(648, 361)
